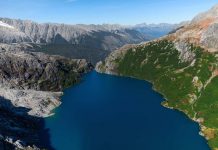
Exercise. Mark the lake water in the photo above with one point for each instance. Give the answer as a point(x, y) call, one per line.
point(115, 113)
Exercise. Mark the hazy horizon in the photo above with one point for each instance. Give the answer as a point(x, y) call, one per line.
point(99, 12)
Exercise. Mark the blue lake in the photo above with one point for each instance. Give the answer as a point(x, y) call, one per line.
point(115, 113)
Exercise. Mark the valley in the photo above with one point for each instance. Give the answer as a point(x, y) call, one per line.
point(39, 61)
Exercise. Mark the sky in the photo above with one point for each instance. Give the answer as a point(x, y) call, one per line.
point(126, 12)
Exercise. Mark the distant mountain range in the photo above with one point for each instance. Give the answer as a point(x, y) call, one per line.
point(92, 42)
point(154, 31)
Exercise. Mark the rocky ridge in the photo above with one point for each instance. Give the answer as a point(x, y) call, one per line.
point(202, 31)
point(25, 74)
point(53, 33)
point(9, 33)
point(90, 42)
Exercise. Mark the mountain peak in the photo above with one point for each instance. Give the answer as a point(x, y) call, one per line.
point(202, 31)
point(211, 14)
point(214, 8)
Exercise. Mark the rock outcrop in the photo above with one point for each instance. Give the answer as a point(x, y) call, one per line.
point(35, 80)
point(31, 84)
point(9, 33)
point(202, 30)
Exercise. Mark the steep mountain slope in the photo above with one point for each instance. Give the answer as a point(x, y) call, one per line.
point(183, 66)
point(50, 33)
point(202, 30)
point(39, 78)
point(10, 34)
point(90, 42)
point(31, 85)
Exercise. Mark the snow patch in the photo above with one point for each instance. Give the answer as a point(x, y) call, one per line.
point(6, 25)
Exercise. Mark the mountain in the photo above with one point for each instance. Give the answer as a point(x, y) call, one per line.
point(11, 34)
point(31, 85)
point(201, 31)
point(51, 33)
point(183, 67)
point(155, 30)
point(90, 42)
point(37, 76)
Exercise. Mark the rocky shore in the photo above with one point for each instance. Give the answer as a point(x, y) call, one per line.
point(31, 85)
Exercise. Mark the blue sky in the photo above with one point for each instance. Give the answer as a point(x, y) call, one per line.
point(126, 12)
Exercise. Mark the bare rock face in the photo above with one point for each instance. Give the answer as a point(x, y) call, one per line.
point(212, 13)
point(201, 31)
point(31, 84)
point(39, 103)
point(35, 80)
point(51, 33)
point(210, 38)
point(11, 34)
point(186, 55)
point(37, 71)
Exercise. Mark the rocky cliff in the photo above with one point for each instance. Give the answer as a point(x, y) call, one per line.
point(31, 84)
point(202, 30)
point(36, 79)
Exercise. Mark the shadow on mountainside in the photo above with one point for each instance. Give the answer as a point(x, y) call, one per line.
point(16, 124)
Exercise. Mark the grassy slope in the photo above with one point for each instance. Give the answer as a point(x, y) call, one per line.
point(207, 108)
point(159, 63)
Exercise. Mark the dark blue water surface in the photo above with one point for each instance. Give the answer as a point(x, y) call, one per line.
point(115, 113)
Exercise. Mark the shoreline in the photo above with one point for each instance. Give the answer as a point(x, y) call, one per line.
point(164, 100)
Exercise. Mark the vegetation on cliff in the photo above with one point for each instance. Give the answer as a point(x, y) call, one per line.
point(186, 77)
